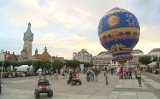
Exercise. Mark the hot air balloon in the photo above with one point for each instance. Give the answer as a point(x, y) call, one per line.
point(119, 32)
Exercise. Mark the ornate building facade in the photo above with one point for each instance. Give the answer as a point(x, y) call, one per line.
point(137, 53)
point(26, 52)
point(105, 59)
point(82, 56)
point(44, 56)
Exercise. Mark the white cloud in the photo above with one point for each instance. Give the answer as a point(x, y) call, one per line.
point(72, 25)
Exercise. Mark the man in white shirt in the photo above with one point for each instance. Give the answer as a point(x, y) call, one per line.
point(39, 71)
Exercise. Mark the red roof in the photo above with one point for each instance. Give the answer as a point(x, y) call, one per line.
point(45, 56)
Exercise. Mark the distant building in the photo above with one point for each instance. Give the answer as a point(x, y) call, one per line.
point(26, 52)
point(137, 53)
point(104, 59)
point(8, 56)
point(154, 52)
point(44, 56)
point(82, 56)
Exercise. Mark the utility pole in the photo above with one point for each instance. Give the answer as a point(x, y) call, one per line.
point(159, 63)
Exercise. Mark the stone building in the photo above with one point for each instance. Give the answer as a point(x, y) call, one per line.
point(82, 56)
point(44, 56)
point(137, 53)
point(105, 59)
point(26, 52)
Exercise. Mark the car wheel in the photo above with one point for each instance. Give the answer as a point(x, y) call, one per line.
point(68, 81)
point(0, 90)
point(37, 94)
point(50, 93)
point(80, 82)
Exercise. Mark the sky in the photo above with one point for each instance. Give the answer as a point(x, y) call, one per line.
point(67, 26)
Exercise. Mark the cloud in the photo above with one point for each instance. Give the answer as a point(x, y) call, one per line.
point(68, 26)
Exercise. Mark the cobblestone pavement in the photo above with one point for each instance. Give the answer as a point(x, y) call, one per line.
point(23, 88)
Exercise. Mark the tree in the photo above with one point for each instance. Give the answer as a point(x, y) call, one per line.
point(72, 63)
point(57, 64)
point(145, 60)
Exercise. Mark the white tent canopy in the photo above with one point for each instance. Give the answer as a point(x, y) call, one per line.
point(22, 68)
point(152, 64)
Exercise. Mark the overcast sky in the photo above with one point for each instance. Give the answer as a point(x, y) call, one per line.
point(67, 26)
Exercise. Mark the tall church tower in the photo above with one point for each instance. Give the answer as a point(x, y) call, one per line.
point(26, 53)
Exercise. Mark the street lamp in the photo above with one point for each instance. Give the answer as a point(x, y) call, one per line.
point(158, 64)
point(51, 63)
point(2, 59)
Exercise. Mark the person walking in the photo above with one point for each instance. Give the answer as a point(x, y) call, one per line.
point(96, 73)
point(135, 72)
point(139, 71)
point(106, 75)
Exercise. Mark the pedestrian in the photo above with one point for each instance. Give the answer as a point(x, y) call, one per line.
point(139, 71)
point(88, 73)
point(96, 74)
point(63, 72)
point(130, 73)
point(124, 73)
point(92, 75)
point(106, 75)
point(39, 71)
point(135, 72)
point(44, 72)
point(51, 73)
point(56, 74)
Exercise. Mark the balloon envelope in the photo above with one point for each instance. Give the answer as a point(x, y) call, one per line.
point(119, 32)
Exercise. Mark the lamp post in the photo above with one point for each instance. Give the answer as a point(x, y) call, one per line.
point(51, 63)
point(158, 64)
point(2, 59)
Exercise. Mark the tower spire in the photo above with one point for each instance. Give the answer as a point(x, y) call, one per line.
point(29, 25)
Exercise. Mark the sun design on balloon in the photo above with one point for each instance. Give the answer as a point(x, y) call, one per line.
point(113, 20)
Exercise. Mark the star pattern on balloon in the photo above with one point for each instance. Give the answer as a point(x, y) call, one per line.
point(131, 21)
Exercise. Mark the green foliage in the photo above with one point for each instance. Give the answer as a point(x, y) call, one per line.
point(76, 63)
point(57, 64)
point(145, 60)
point(72, 63)
point(87, 64)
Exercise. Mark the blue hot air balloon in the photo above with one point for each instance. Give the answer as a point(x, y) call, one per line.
point(119, 32)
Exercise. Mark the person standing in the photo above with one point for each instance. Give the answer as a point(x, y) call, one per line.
point(39, 71)
point(96, 74)
point(106, 75)
point(130, 73)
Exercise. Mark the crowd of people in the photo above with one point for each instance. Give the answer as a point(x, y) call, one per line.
point(93, 72)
